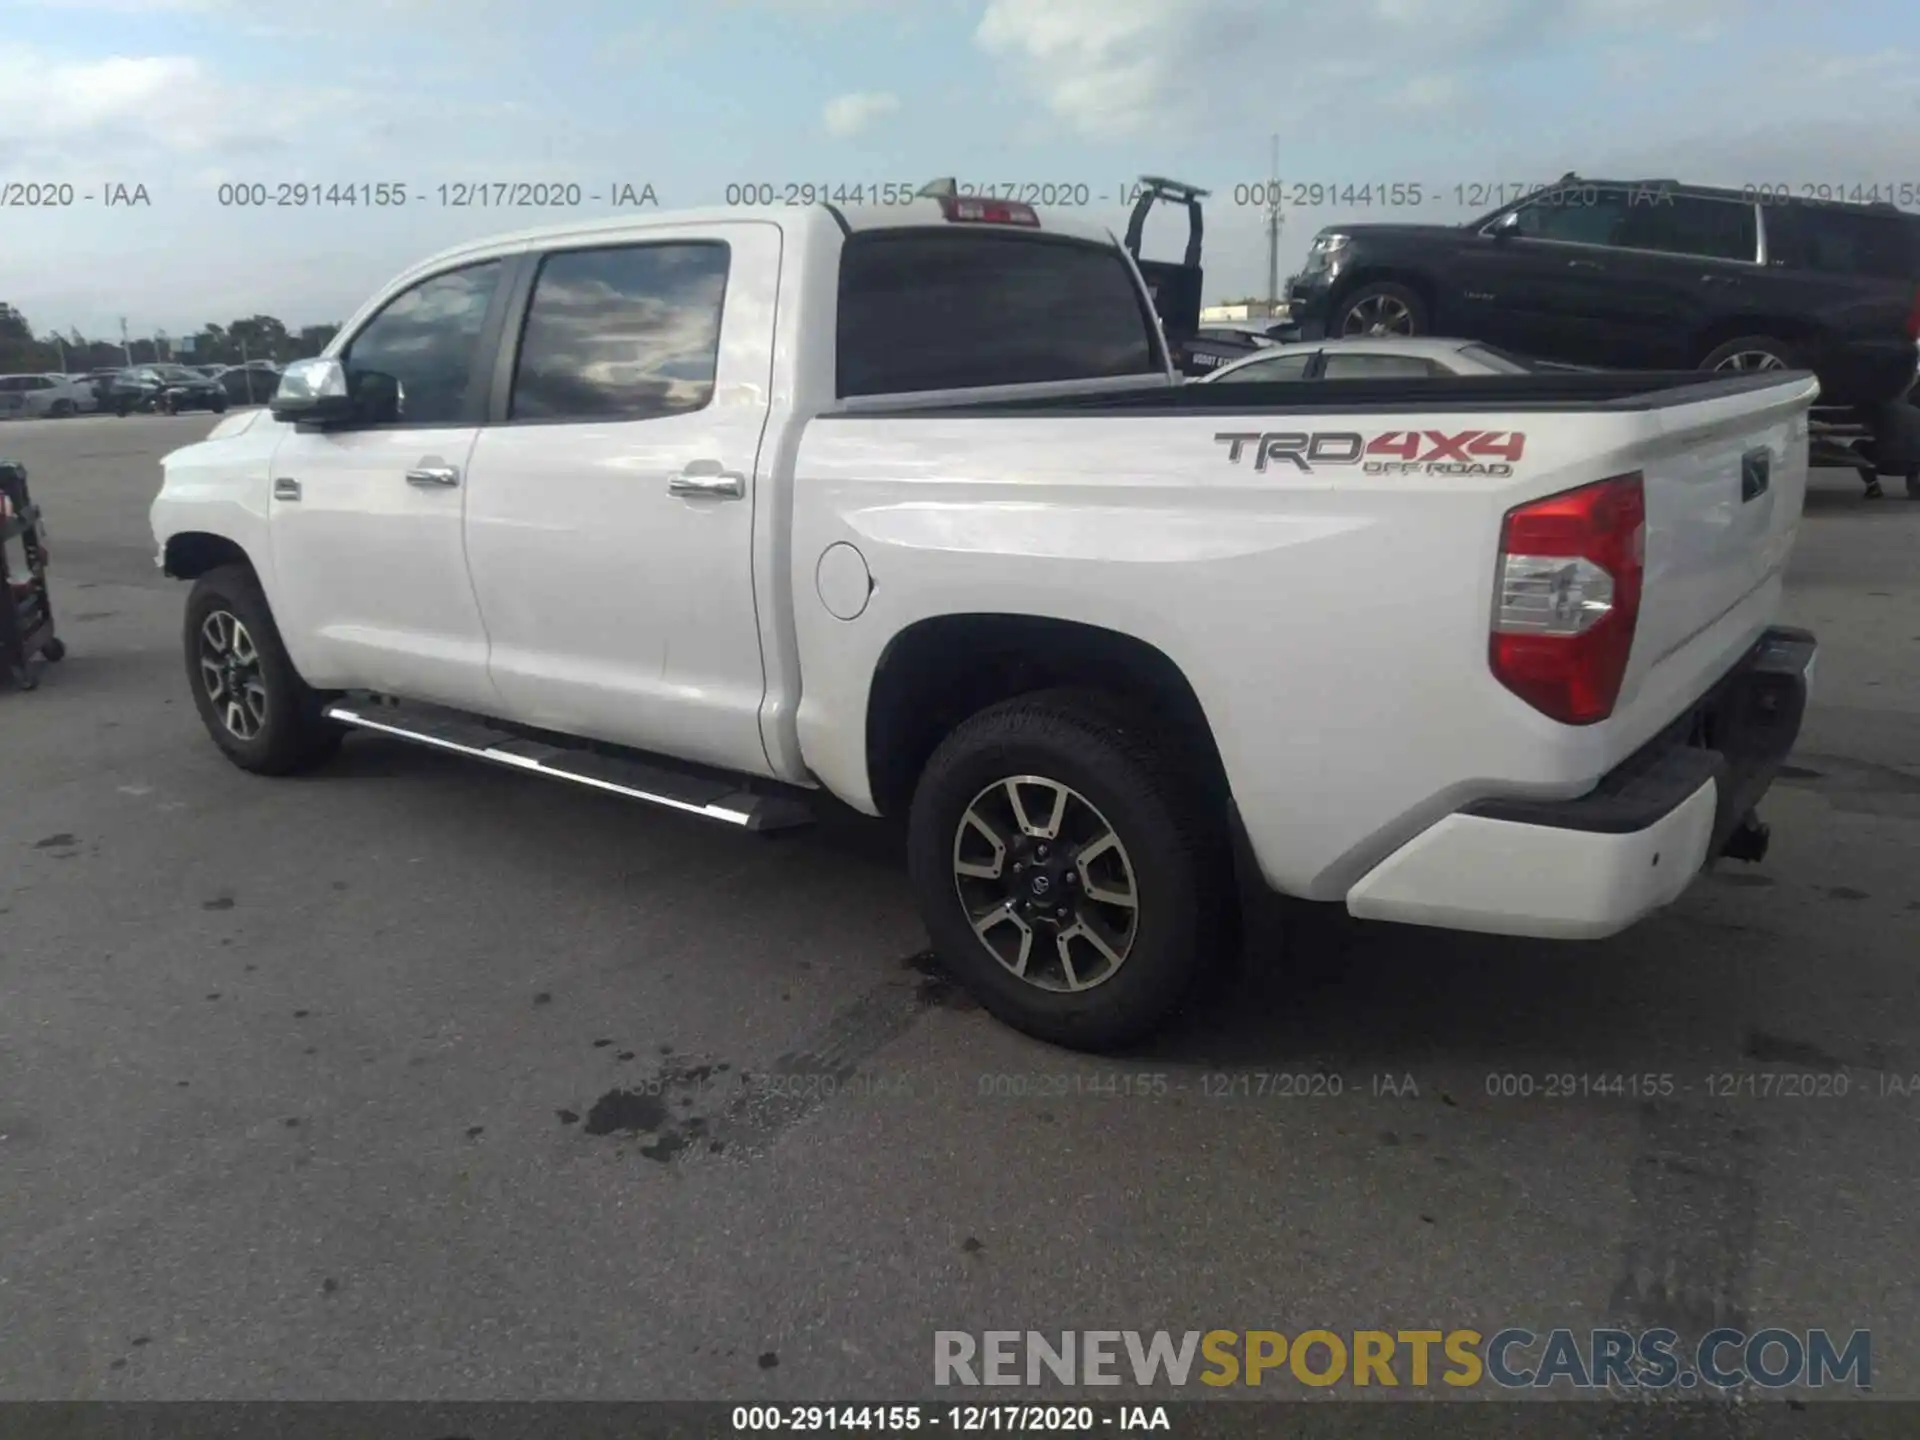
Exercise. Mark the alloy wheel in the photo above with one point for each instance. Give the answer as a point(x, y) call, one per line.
point(230, 671)
point(1046, 883)
point(1377, 315)
point(1752, 361)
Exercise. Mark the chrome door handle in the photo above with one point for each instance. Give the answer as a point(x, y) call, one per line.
point(434, 475)
point(716, 485)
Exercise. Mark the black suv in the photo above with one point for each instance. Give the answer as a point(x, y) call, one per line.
point(1648, 274)
point(165, 388)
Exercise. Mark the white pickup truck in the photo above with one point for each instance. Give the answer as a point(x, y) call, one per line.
point(723, 509)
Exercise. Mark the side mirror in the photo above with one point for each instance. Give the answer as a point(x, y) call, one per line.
point(1507, 227)
point(313, 392)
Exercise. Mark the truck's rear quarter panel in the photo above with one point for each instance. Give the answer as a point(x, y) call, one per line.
point(1332, 622)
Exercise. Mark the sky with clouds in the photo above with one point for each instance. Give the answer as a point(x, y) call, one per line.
point(184, 96)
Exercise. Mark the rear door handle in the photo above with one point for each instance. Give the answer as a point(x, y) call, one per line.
point(431, 475)
point(286, 489)
point(715, 484)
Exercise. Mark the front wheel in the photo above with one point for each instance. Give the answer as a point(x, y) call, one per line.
point(1752, 355)
point(258, 710)
point(1068, 868)
point(1383, 308)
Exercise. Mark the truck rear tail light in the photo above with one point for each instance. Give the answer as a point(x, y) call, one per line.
point(1570, 574)
point(973, 209)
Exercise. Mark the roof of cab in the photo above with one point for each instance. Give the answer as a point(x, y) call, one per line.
point(821, 219)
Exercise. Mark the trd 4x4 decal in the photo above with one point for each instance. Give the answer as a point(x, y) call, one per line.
point(1396, 452)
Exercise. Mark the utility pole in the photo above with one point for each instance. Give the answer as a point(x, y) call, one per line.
point(126, 353)
point(1274, 222)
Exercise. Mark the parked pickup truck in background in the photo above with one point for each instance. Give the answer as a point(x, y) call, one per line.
point(724, 509)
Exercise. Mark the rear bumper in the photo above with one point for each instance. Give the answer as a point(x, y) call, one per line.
point(1590, 867)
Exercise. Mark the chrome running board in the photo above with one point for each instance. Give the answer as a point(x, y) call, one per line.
point(657, 782)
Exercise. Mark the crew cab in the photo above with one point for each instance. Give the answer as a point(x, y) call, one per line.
point(724, 509)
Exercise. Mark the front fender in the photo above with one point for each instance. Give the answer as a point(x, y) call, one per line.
point(222, 487)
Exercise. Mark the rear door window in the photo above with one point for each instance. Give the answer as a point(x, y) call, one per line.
point(1692, 225)
point(1379, 367)
point(951, 309)
point(627, 333)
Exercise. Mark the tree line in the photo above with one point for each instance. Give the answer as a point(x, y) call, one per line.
point(258, 337)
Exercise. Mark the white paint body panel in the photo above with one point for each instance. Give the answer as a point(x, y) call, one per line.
point(1471, 873)
point(1333, 625)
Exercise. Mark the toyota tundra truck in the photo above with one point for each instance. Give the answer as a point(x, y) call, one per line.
point(726, 510)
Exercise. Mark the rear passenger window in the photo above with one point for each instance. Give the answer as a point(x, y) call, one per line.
point(1378, 367)
point(1690, 225)
point(626, 333)
point(949, 310)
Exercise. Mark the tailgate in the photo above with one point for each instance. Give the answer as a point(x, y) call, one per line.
point(1725, 480)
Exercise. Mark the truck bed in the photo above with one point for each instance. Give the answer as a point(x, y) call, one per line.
point(1330, 610)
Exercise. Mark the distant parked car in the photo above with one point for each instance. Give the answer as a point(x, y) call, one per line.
point(165, 389)
point(39, 396)
point(1392, 358)
point(100, 383)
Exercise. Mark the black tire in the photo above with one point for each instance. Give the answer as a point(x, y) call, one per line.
point(219, 406)
point(290, 731)
point(62, 409)
point(1385, 295)
point(1127, 773)
point(54, 650)
point(1783, 352)
point(121, 410)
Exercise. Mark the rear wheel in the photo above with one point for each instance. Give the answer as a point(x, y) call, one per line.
point(1069, 869)
point(1752, 355)
point(1383, 308)
point(62, 409)
point(258, 710)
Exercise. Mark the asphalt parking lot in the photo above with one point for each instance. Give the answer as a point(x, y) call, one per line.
point(413, 1079)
